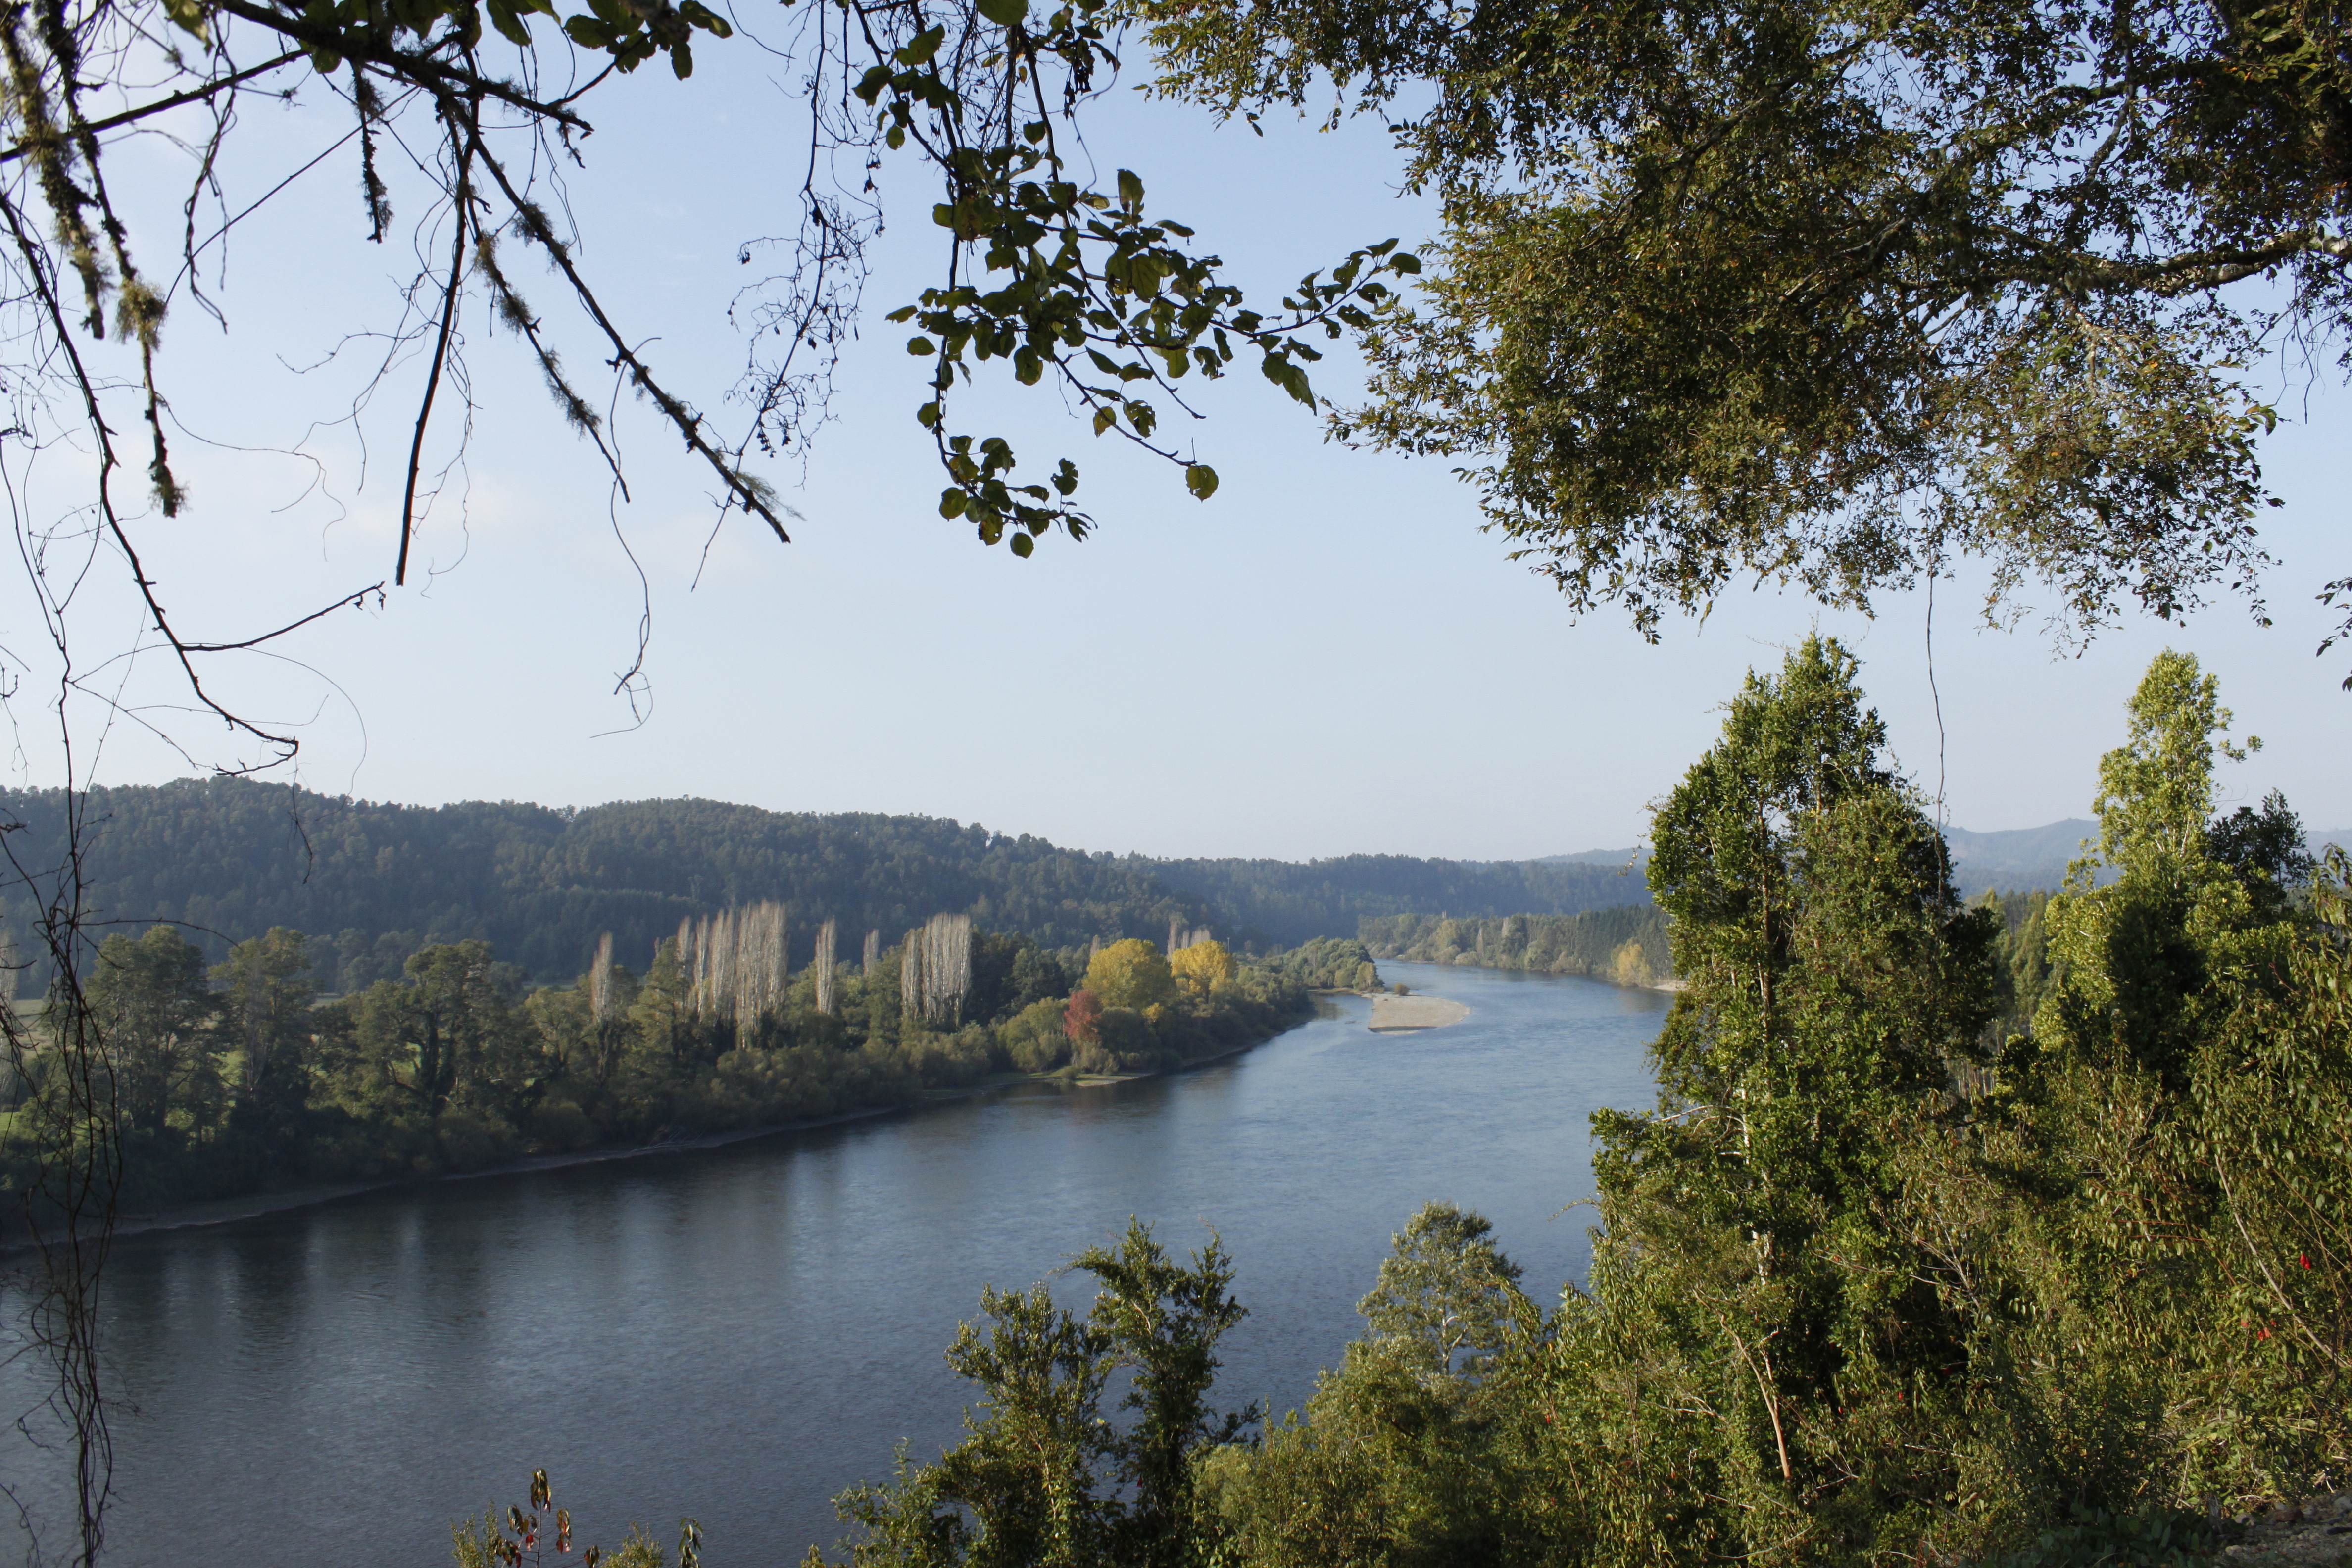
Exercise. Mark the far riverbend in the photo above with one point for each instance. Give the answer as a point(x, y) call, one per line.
point(738, 1332)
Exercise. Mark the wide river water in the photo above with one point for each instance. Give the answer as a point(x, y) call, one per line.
point(740, 1333)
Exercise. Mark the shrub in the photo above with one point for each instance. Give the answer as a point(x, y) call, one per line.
point(1035, 1039)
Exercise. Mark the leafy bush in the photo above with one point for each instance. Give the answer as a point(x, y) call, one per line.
point(1328, 963)
point(1034, 1039)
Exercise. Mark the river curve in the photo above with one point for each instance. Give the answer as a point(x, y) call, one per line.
point(738, 1332)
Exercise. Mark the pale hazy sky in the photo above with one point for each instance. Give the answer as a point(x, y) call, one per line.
point(1328, 657)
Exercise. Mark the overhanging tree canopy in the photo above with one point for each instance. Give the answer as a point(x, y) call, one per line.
point(1831, 292)
point(476, 101)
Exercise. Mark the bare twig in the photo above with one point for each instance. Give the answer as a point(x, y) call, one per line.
point(462, 213)
point(193, 95)
point(1772, 1400)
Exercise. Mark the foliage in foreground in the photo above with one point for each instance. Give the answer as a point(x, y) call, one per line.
point(544, 1534)
point(1873, 1284)
point(1043, 1477)
point(1832, 293)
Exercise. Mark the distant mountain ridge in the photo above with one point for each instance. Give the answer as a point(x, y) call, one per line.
point(1636, 859)
point(2018, 859)
point(2022, 859)
point(1291, 902)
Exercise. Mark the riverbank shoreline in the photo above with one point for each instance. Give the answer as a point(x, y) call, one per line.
point(254, 1205)
point(1668, 987)
point(764, 1322)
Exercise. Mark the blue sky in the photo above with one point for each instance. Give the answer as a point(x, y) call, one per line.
point(1328, 657)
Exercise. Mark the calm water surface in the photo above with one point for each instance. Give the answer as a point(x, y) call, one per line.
point(740, 1332)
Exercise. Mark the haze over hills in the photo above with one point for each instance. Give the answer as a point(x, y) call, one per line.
point(1292, 901)
point(2018, 859)
point(2021, 859)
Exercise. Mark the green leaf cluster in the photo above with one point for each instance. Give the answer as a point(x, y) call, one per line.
point(1057, 277)
point(333, 32)
point(1829, 294)
point(1044, 1478)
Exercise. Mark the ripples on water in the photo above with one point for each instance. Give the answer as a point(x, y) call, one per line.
point(738, 1334)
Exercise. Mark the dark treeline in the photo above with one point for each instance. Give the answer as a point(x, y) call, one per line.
point(2006, 1232)
point(227, 859)
point(1624, 943)
point(1291, 902)
point(236, 1076)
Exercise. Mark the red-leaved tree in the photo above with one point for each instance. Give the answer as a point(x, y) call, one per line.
point(1080, 1018)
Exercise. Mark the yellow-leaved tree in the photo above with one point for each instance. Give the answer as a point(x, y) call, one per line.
point(1132, 973)
point(1202, 967)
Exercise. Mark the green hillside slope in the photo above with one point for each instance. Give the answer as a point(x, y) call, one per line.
point(229, 858)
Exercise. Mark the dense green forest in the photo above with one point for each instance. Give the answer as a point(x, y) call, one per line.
point(1625, 943)
point(227, 859)
point(1877, 1280)
point(1291, 902)
point(1328, 963)
point(234, 1076)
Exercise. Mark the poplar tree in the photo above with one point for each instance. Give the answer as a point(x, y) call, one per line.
point(823, 964)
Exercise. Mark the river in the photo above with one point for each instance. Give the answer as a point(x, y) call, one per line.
point(740, 1333)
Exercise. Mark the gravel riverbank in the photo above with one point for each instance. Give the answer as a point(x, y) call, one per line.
point(1408, 1015)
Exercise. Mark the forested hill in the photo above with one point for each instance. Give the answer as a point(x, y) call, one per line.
point(230, 858)
point(1291, 902)
point(371, 882)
